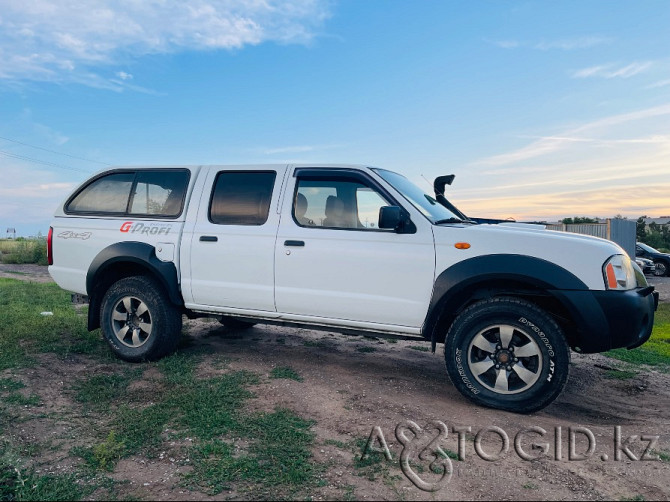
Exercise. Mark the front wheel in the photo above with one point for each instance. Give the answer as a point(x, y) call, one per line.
point(137, 320)
point(508, 354)
point(661, 268)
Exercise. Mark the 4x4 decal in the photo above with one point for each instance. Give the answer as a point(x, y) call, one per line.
point(74, 235)
point(146, 228)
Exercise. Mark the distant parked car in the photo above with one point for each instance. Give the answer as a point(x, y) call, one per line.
point(646, 265)
point(661, 260)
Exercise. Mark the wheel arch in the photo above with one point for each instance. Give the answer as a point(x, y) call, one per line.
point(483, 277)
point(127, 259)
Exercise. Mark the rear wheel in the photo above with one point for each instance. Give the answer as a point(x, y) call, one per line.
point(508, 354)
point(661, 269)
point(137, 320)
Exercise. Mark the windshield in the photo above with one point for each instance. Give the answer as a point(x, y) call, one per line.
point(648, 249)
point(425, 203)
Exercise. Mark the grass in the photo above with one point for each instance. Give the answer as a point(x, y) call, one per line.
point(174, 408)
point(25, 332)
point(23, 251)
point(620, 374)
point(18, 483)
point(366, 349)
point(285, 372)
point(98, 391)
point(276, 460)
point(656, 351)
point(420, 348)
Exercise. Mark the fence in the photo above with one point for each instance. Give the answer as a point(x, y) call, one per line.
point(616, 229)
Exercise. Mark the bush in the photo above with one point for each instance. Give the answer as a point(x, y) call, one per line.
point(24, 251)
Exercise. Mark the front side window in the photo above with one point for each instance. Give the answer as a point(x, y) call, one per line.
point(241, 198)
point(337, 203)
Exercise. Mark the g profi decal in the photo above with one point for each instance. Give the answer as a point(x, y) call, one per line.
point(145, 228)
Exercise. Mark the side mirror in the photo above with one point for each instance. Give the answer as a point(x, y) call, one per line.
point(393, 217)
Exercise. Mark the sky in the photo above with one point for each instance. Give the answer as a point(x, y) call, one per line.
point(543, 110)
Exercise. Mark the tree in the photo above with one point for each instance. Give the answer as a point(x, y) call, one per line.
point(578, 220)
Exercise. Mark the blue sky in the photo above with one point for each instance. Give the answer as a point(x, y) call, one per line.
point(542, 109)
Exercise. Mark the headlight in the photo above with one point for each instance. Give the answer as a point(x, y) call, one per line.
point(619, 273)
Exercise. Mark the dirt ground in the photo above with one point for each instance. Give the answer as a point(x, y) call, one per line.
point(353, 384)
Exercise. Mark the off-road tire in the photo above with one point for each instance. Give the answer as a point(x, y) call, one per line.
point(235, 323)
point(534, 363)
point(144, 303)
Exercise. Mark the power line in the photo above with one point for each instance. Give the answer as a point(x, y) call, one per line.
point(53, 151)
point(37, 161)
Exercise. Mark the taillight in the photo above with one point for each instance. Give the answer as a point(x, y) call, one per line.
point(50, 249)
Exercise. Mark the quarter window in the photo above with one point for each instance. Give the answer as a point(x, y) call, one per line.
point(241, 198)
point(108, 194)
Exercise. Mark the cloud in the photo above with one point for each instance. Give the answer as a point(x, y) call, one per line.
point(66, 41)
point(554, 143)
point(29, 195)
point(565, 44)
point(655, 85)
point(507, 44)
point(124, 76)
point(613, 71)
point(573, 43)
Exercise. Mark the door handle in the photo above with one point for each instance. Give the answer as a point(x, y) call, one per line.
point(294, 243)
point(208, 238)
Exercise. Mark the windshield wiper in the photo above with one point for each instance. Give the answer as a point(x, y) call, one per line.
point(454, 220)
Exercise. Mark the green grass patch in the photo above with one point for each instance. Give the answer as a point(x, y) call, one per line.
point(285, 372)
point(366, 350)
point(9, 385)
point(25, 332)
point(420, 348)
point(656, 351)
point(18, 483)
point(620, 374)
point(21, 251)
point(278, 460)
point(99, 391)
point(19, 399)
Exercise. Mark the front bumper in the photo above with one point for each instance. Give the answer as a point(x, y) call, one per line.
point(606, 320)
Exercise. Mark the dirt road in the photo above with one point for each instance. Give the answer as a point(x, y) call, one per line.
point(351, 385)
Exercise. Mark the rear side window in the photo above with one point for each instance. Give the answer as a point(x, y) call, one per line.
point(108, 194)
point(241, 198)
point(155, 192)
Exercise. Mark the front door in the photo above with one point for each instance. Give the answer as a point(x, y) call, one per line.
point(332, 260)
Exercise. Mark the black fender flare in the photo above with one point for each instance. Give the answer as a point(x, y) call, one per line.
point(538, 276)
point(136, 253)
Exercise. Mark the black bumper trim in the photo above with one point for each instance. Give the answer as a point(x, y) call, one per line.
point(608, 320)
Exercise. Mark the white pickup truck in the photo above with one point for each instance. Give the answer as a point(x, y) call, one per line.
point(344, 248)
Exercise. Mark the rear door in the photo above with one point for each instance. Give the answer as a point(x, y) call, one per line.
point(233, 239)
